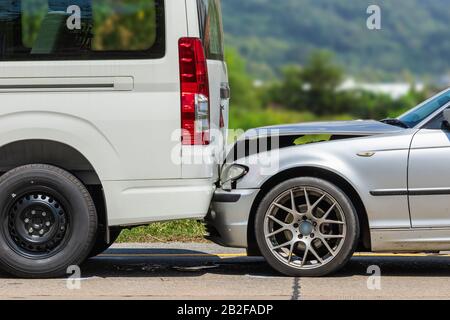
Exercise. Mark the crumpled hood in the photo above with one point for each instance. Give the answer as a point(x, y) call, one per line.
point(345, 128)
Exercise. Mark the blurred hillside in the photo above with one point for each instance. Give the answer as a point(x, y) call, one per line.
point(309, 92)
point(415, 37)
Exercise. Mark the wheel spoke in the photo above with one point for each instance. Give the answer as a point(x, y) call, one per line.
point(313, 251)
point(281, 223)
point(325, 216)
point(291, 251)
point(328, 247)
point(332, 236)
point(276, 232)
point(294, 207)
point(308, 203)
point(318, 201)
point(281, 245)
point(284, 208)
point(305, 255)
point(332, 222)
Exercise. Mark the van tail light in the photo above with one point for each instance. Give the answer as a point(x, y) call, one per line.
point(195, 107)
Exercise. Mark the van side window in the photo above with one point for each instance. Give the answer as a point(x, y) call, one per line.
point(81, 29)
point(211, 28)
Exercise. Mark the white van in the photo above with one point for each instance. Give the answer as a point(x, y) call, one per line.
point(106, 108)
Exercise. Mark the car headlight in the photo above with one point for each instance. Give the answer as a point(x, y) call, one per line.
point(231, 174)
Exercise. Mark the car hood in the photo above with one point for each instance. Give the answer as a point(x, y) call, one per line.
point(343, 128)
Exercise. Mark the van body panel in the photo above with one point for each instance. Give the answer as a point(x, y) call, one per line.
point(205, 161)
point(154, 201)
point(123, 116)
point(139, 123)
point(192, 18)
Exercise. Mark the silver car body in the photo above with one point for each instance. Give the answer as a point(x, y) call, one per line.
point(400, 178)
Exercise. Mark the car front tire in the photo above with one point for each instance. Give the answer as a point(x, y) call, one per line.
point(48, 221)
point(306, 227)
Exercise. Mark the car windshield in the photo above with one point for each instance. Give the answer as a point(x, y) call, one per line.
point(424, 110)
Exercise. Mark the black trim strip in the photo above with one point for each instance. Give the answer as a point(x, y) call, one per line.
point(56, 86)
point(429, 192)
point(226, 198)
point(413, 192)
point(385, 193)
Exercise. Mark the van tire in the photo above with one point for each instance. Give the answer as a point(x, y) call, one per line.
point(48, 221)
point(100, 245)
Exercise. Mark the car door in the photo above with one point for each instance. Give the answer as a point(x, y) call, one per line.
point(429, 176)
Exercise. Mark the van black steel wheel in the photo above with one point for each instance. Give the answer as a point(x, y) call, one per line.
point(306, 227)
point(48, 221)
point(37, 223)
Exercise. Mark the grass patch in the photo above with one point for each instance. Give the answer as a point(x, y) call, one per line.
point(312, 138)
point(174, 231)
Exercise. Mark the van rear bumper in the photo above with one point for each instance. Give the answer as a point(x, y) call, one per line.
point(141, 202)
point(227, 222)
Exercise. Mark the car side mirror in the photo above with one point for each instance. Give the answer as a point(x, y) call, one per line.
point(446, 121)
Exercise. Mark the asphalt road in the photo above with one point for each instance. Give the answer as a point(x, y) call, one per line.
point(206, 271)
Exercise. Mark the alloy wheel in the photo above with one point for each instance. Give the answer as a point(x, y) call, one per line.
point(305, 228)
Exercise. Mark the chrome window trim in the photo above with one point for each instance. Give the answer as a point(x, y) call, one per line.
point(422, 124)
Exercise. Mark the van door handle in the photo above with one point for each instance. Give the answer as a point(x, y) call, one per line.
point(225, 92)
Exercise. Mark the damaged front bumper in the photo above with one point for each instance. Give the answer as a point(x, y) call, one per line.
point(227, 222)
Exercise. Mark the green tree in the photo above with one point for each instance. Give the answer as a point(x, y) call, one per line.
point(291, 92)
point(322, 76)
point(276, 33)
point(312, 88)
point(243, 93)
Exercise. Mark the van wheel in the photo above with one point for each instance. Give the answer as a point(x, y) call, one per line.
point(306, 227)
point(48, 221)
point(100, 245)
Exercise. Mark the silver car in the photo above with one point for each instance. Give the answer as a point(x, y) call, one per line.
point(364, 185)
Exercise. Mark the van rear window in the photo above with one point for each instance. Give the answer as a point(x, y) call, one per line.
point(211, 29)
point(81, 29)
